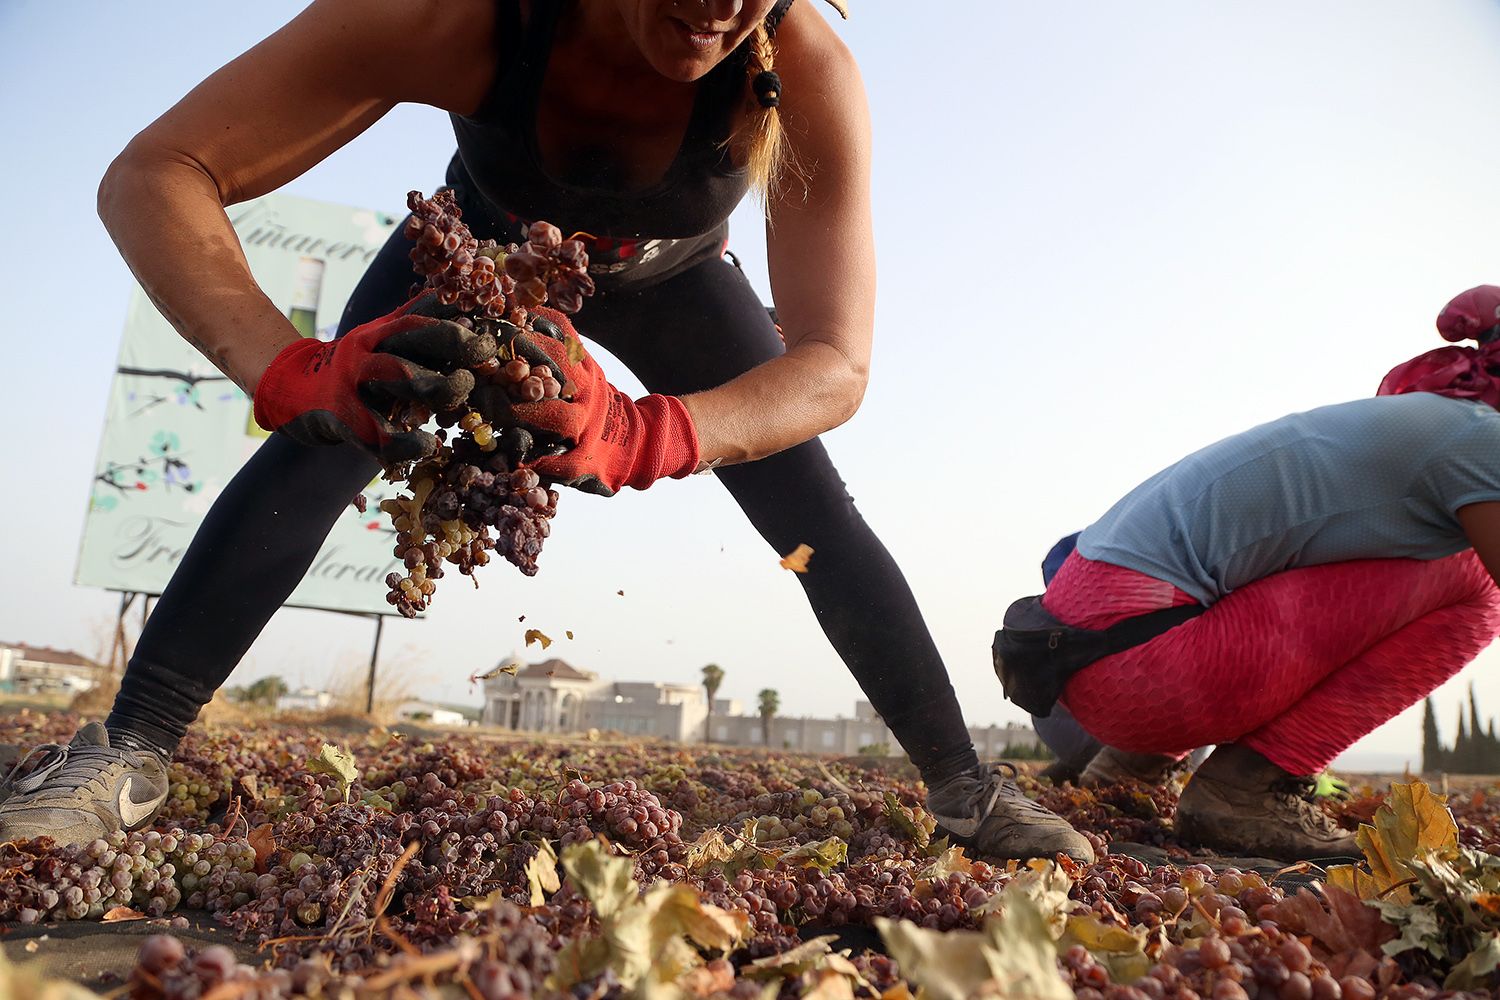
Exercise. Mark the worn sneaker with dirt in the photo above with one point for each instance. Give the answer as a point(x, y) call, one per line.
point(1239, 802)
point(1112, 765)
point(82, 791)
point(983, 809)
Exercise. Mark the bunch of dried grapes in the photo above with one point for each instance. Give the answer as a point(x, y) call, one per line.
point(476, 495)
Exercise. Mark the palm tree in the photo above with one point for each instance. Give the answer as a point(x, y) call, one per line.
point(770, 701)
point(713, 676)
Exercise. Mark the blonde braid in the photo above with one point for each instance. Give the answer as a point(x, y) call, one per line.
point(766, 147)
point(767, 154)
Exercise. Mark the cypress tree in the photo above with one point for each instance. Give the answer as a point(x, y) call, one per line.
point(1432, 744)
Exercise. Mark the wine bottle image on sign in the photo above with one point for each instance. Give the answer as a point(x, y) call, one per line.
point(303, 315)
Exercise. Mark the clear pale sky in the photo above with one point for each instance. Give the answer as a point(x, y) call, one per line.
point(1107, 234)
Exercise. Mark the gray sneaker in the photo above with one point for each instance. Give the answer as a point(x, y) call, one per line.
point(82, 791)
point(985, 810)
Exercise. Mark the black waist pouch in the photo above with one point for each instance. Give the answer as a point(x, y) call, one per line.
point(1035, 654)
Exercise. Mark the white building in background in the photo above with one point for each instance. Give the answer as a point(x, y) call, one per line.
point(423, 711)
point(42, 668)
point(555, 697)
point(304, 700)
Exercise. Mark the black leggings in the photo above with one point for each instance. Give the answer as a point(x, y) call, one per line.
point(688, 333)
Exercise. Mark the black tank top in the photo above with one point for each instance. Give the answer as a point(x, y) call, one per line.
point(634, 237)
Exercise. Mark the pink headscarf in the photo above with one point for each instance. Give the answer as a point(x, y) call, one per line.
point(1460, 372)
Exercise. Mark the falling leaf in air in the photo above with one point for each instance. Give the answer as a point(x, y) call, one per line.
point(569, 633)
point(796, 560)
point(509, 667)
point(521, 619)
point(537, 635)
point(620, 592)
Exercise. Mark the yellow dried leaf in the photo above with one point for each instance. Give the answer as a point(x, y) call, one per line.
point(709, 848)
point(537, 635)
point(338, 763)
point(796, 560)
point(568, 633)
point(650, 942)
point(511, 667)
point(541, 873)
point(118, 913)
point(1120, 950)
point(826, 984)
point(1411, 823)
point(949, 965)
point(576, 353)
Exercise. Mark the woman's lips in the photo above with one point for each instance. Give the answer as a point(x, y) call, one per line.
point(703, 41)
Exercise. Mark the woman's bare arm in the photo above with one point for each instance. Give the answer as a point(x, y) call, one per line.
point(822, 261)
point(1481, 523)
point(256, 124)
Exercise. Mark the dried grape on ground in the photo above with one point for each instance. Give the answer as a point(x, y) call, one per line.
point(376, 865)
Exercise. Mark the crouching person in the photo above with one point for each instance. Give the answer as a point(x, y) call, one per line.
point(1283, 592)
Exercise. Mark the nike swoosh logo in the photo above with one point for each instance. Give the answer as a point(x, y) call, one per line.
point(132, 812)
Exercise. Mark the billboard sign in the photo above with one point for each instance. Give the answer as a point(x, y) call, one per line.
point(176, 430)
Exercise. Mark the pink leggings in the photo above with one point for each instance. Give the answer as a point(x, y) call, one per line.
point(1298, 665)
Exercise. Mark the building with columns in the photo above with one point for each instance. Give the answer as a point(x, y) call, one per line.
point(555, 697)
point(545, 697)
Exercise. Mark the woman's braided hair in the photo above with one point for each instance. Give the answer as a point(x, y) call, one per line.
point(766, 155)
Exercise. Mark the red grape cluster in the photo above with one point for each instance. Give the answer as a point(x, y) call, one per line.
point(623, 812)
point(549, 268)
point(489, 281)
point(476, 495)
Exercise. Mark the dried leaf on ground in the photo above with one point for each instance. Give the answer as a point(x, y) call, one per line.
point(949, 862)
point(338, 763)
point(796, 560)
point(1121, 950)
point(710, 848)
point(1412, 823)
point(814, 966)
point(650, 942)
point(1418, 924)
point(28, 983)
point(1477, 968)
point(263, 841)
point(915, 824)
point(949, 965)
point(1015, 955)
point(541, 873)
point(119, 913)
point(1345, 923)
point(824, 855)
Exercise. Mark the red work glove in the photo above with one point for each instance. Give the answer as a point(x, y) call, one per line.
point(616, 442)
point(328, 393)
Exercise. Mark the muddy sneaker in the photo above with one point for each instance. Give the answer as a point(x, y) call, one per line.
point(1239, 802)
point(1111, 765)
point(984, 809)
point(82, 791)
